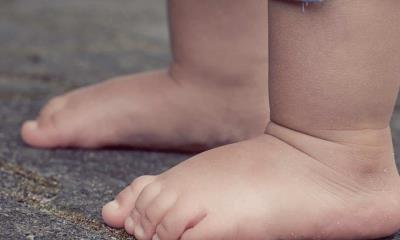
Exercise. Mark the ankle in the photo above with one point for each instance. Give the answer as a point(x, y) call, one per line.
point(239, 95)
point(366, 156)
point(246, 77)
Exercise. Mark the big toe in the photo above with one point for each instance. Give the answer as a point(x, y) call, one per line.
point(48, 129)
point(115, 212)
point(48, 132)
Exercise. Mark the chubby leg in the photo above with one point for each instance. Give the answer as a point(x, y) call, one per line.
point(325, 167)
point(213, 93)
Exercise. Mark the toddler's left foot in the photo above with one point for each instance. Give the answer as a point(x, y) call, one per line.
point(282, 185)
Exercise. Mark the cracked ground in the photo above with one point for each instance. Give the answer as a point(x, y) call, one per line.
point(48, 47)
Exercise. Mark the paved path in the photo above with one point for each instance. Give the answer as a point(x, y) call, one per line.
point(48, 47)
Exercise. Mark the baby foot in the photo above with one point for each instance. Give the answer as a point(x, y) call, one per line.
point(153, 110)
point(282, 185)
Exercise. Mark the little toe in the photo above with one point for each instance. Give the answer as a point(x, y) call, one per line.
point(115, 212)
point(183, 215)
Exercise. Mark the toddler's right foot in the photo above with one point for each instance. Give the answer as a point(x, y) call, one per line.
point(153, 110)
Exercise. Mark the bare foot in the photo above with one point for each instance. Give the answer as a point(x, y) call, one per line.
point(282, 185)
point(154, 110)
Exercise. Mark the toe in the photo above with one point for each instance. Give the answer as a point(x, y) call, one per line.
point(115, 212)
point(156, 237)
point(183, 215)
point(146, 230)
point(156, 210)
point(54, 105)
point(206, 229)
point(47, 131)
point(149, 193)
point(131, 222)
point(30, 131)
point(129, 225)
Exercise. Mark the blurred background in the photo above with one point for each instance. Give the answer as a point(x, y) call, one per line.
point(79, 42)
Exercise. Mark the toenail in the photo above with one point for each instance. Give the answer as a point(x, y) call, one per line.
point(155, 237)
point(31, 125)
point(139, 231)
point(113, 205)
